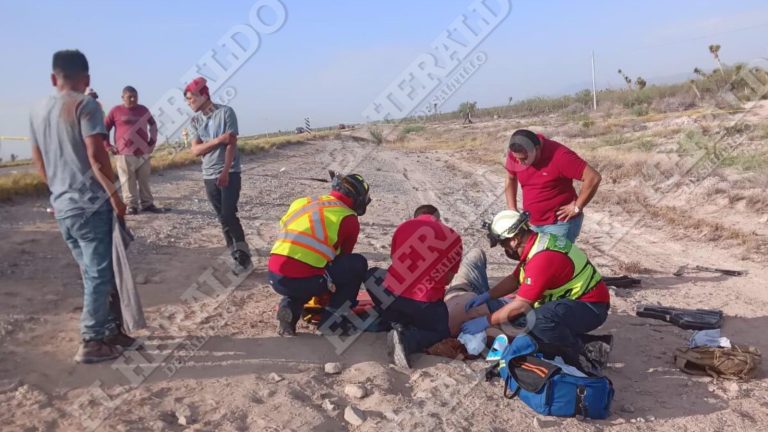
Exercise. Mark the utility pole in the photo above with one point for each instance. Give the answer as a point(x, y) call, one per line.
point(594, 89)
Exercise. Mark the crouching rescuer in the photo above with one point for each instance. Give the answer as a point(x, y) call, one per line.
point(313, 255)
point(555, 278)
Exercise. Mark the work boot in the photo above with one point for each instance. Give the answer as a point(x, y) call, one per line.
point(95, 351)
point(132, 211)
point(286, 325)
point(396, 350)
point(126, 342)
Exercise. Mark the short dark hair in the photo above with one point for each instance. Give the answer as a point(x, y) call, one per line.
point(521, 141)
point(426, 209)
point(69, 64)
point(130, 89)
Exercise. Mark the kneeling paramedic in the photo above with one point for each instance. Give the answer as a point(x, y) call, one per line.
point(313, 254)
point(425, 255)
point(554, 277)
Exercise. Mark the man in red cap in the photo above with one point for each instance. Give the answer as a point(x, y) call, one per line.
point(546, 170)
point(214, 132)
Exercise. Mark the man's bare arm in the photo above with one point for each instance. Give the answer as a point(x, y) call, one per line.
point(200, 148)
point(37, 157)
point(510, 191)
point(102, 170)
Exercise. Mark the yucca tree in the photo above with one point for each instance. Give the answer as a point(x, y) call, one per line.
point(627, 79)
point(640, 83)
point(696, 90)
point(715, 50)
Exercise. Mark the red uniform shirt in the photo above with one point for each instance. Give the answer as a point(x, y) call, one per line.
point(547, 184)
point(349, 229)
point(551, 269)
point(131, 136)
point(425, 254)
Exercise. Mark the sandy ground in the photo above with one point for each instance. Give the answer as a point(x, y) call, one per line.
point(214, 360)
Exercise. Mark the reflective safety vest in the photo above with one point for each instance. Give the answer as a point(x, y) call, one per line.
point(585, 275)
point(310, 228)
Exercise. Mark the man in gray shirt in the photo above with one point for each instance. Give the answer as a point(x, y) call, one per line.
point(214, 137)
point(67, 134)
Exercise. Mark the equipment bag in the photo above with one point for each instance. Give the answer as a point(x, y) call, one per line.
point(548, 390)
point(737, 362)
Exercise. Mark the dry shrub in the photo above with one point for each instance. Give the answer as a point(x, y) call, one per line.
point(677, 103)
point(21, 184)
point(632, 267)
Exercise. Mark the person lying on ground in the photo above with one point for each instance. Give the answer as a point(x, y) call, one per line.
point(312, 255)
point(558, 292)
point(425, 255)
point(545, 170)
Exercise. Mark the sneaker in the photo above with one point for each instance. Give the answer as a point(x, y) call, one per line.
point(97, 351)
point(396, 350)
point(243, 263)
point(132, 211)
point(124, 341)
point(152, 209)
point(285, 325)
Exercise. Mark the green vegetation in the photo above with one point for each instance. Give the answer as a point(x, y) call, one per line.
point(18, 162)
point(30, 184)
point(411, 128)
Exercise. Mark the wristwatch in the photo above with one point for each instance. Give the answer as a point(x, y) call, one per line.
point(576, 208)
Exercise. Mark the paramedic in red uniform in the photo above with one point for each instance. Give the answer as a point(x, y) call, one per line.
point(425, 256)
point(554, 277)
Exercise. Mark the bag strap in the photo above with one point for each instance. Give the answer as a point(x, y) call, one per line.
point(506, 389)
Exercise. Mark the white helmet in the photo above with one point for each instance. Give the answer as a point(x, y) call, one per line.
point(506, 224)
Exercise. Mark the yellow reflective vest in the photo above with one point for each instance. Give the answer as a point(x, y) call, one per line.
point(310, 228)
point(585, 276)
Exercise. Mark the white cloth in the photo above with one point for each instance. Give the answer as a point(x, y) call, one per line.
point(710, 338)
point(475, 343)
point(130, 303)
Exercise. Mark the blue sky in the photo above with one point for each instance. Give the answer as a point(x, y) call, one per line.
point(331, 59)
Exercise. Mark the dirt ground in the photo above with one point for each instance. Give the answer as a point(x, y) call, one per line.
point(214, 360)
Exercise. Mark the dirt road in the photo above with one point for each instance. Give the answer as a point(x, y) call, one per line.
point(214, 361)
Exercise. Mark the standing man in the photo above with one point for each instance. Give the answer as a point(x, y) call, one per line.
point(554, 279)
point(425, 255)
point(133, 147)
point(546, 170)
point(313, 257)
point(214, 138)
point(67, 134)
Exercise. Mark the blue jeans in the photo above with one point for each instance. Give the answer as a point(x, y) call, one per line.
point(90, 240)
point(569, 230)
point(473, 276)
point(560, 324)
point(347, 273)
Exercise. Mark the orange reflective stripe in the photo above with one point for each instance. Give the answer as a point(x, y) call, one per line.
point(290, 214)
point(308, 247)
point(322, 224)
point(311, 206)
